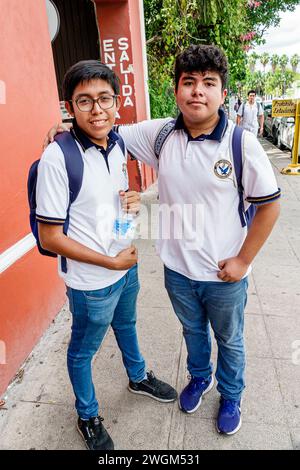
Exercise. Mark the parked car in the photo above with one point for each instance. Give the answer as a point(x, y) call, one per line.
point(285, 133)
point(270, 124)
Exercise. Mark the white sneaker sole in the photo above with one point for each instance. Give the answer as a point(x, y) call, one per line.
point(78, 429)
point(231, 432)
point(86, 444)
point(199, 402)
point(162, 400)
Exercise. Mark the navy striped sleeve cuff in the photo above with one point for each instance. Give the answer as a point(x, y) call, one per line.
point(49, 220)
point(264, 199)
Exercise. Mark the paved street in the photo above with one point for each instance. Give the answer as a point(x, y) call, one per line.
point(39, 411)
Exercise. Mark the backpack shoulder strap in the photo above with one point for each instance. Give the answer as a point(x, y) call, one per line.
point(237, 155)
point(162, 136)
point(121, 143)
point(73, 162)
point(74, 168)
point(259, 109)
point(243, 109)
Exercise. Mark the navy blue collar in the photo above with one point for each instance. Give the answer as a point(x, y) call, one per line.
point(86, 143)
point(216, 134)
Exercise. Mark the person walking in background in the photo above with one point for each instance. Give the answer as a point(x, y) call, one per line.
point(250, 115)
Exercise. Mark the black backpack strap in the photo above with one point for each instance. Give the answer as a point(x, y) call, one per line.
point(74, 168)
point(243, 109)
point(162, 136)
point(237, 155)
point(121, 143)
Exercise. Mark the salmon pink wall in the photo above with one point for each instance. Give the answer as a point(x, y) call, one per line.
point(30, 291)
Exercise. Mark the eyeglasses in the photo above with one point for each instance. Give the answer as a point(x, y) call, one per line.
point(86, 104)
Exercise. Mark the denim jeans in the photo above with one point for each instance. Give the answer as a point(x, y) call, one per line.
point(220, 304)
point(93, 312)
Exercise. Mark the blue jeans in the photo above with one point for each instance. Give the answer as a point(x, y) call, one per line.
point(220, 304)
point(93, 312)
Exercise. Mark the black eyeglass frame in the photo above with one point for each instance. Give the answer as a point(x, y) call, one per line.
point(95, 100)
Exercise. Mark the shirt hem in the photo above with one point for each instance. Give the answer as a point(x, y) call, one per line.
point(94, 286)
point(211, 276)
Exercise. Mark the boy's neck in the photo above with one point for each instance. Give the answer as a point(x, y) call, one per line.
point(102, 143)
point(195, 129)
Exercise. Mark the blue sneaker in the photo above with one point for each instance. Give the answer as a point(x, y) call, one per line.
point(191, 396)
point(229, 418)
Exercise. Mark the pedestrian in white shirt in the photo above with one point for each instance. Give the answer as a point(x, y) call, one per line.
point(250, 115)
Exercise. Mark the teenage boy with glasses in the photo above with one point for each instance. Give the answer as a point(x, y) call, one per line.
point(101, 278)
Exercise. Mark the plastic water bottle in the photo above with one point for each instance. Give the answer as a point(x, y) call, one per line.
point(124, 227)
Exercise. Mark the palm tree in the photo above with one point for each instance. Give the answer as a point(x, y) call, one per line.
point(283, 61)
point(274, 62)
point(252, 61)
point(294, 61)
point(264, 60)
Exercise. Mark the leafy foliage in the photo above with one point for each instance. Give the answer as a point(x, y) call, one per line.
point(233, 25)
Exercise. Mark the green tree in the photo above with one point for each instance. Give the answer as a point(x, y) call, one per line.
point(274, 62)
point(264, 60)
point(266, 14)
point(278, 82)
point(251, 61)
point(234, 25)
point(283, 61)
point(254, 81)
point(294, 61)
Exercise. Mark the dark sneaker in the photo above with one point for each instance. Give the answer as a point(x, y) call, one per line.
point(154, 388)
point(94, 434)
point(191, 396)
point(229, 418)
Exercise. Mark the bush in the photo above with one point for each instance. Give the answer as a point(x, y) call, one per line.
point(162, 100)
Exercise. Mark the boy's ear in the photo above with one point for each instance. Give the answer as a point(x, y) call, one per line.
point(69, 108)
point(118, 102)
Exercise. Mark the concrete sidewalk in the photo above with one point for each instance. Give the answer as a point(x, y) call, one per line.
point(39, 411)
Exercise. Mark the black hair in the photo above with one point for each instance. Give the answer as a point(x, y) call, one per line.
point(251, 91)
point(202, 58)
point(87, 70)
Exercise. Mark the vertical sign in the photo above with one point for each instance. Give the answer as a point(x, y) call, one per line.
point(116, 57)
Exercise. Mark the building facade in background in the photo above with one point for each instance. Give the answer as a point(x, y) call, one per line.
point(39, 40)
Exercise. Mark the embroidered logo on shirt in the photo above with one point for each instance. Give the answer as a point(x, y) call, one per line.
point(125, 174)
point(223, 169)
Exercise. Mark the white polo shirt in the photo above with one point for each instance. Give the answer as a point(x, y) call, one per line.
point(249, 114)
point(93, 213)
point(196, 181)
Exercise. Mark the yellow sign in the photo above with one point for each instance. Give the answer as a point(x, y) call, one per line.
point(284, 108)
point(294, 167)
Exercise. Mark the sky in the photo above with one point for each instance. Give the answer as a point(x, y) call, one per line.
point(285, 38)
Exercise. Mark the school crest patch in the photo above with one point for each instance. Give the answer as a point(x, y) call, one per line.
point(125, 174)
point(223, 169)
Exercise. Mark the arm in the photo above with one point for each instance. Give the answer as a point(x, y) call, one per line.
point(139, 138)
point(53, 239)
point(233, 269)
point(131, 201)
point(261, 119)
point(60, 127)
point(238, 120)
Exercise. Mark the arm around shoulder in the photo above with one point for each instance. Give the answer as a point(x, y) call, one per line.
point(140, 139)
